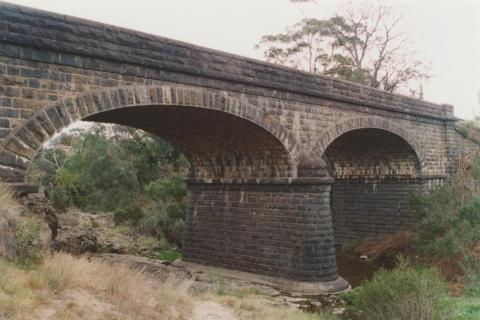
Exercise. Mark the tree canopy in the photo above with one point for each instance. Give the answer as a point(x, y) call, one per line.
point(362, 43)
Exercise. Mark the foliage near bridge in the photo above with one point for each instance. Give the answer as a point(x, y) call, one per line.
point(135, 175)
point(448, 230)
point(406, 292)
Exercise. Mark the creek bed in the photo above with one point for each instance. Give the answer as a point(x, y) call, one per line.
point(352, 268)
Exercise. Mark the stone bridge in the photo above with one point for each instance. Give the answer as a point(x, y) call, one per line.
point(284, 164)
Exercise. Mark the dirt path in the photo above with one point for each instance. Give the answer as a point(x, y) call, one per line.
point(82, 305)
point(210, 310)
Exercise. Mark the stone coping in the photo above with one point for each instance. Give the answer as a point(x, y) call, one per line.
point(307, 180)
point(261, 181)
point(394, 177)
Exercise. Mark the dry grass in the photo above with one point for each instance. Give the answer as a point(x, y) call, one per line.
point(18, 296)
point(249, 303)
point(63, 272)
point(254, 307)
point(56, 288)
point(174, 300)
point(126, 293)
point(9, 214)
point(132, 291)
point(9, 207)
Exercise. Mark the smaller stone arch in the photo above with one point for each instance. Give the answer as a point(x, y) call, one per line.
point(340, 128)
point(23, 143)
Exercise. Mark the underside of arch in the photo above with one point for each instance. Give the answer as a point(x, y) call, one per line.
point(371, 154)
point(219, 146)
point(376, 165)
point(337, 130)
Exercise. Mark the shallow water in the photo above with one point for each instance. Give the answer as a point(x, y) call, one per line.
point(351, 268)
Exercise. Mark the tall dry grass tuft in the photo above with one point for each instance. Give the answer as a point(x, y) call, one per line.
point(18, 297)
point(125, 287)
point(9, 214)
point(63, 272)
point(174, 299)
point(132, 291)
point(9, 205)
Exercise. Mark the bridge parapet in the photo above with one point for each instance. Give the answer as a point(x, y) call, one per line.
point(60, 39)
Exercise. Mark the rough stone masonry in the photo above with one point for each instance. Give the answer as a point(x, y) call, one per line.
point(284, 164)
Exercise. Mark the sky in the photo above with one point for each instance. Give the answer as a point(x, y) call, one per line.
point(445, 33)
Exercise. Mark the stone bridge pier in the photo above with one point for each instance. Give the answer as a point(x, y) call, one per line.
point(284, 164)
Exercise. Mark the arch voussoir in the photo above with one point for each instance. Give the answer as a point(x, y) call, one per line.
point(20, 148)
point(37, 131)
point(12, 175)
point(13, 160)
point(142, 96)
point(25, 141)
point(63, 113)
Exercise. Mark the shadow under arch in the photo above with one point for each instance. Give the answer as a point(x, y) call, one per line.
point(376, 165)
point(230, 124)
point(335, 131)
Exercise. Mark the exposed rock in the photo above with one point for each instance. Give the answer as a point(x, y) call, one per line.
point(156, 268)
point(38, 204)
point(81, 232)
point(75, 241)
point(13, 210)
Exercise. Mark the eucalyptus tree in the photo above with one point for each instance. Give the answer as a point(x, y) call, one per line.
point(363, 42)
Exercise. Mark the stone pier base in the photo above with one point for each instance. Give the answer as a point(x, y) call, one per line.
point(285, 285)
point(278, 228)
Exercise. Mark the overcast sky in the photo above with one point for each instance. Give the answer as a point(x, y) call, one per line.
point(445, 32)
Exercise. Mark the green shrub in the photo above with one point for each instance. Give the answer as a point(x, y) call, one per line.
point(467, 308)
point(131, 214)
point(29, 248)
point(166, 212)
point(167, 255)
point(449, 232)
point(472, 288)
point(404, 293)
point(449, 218)
point(61, 198)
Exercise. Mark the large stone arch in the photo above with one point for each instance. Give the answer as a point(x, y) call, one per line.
point(22, 144)
point(342, 127)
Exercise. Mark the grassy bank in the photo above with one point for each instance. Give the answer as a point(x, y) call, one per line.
point(67, 287)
